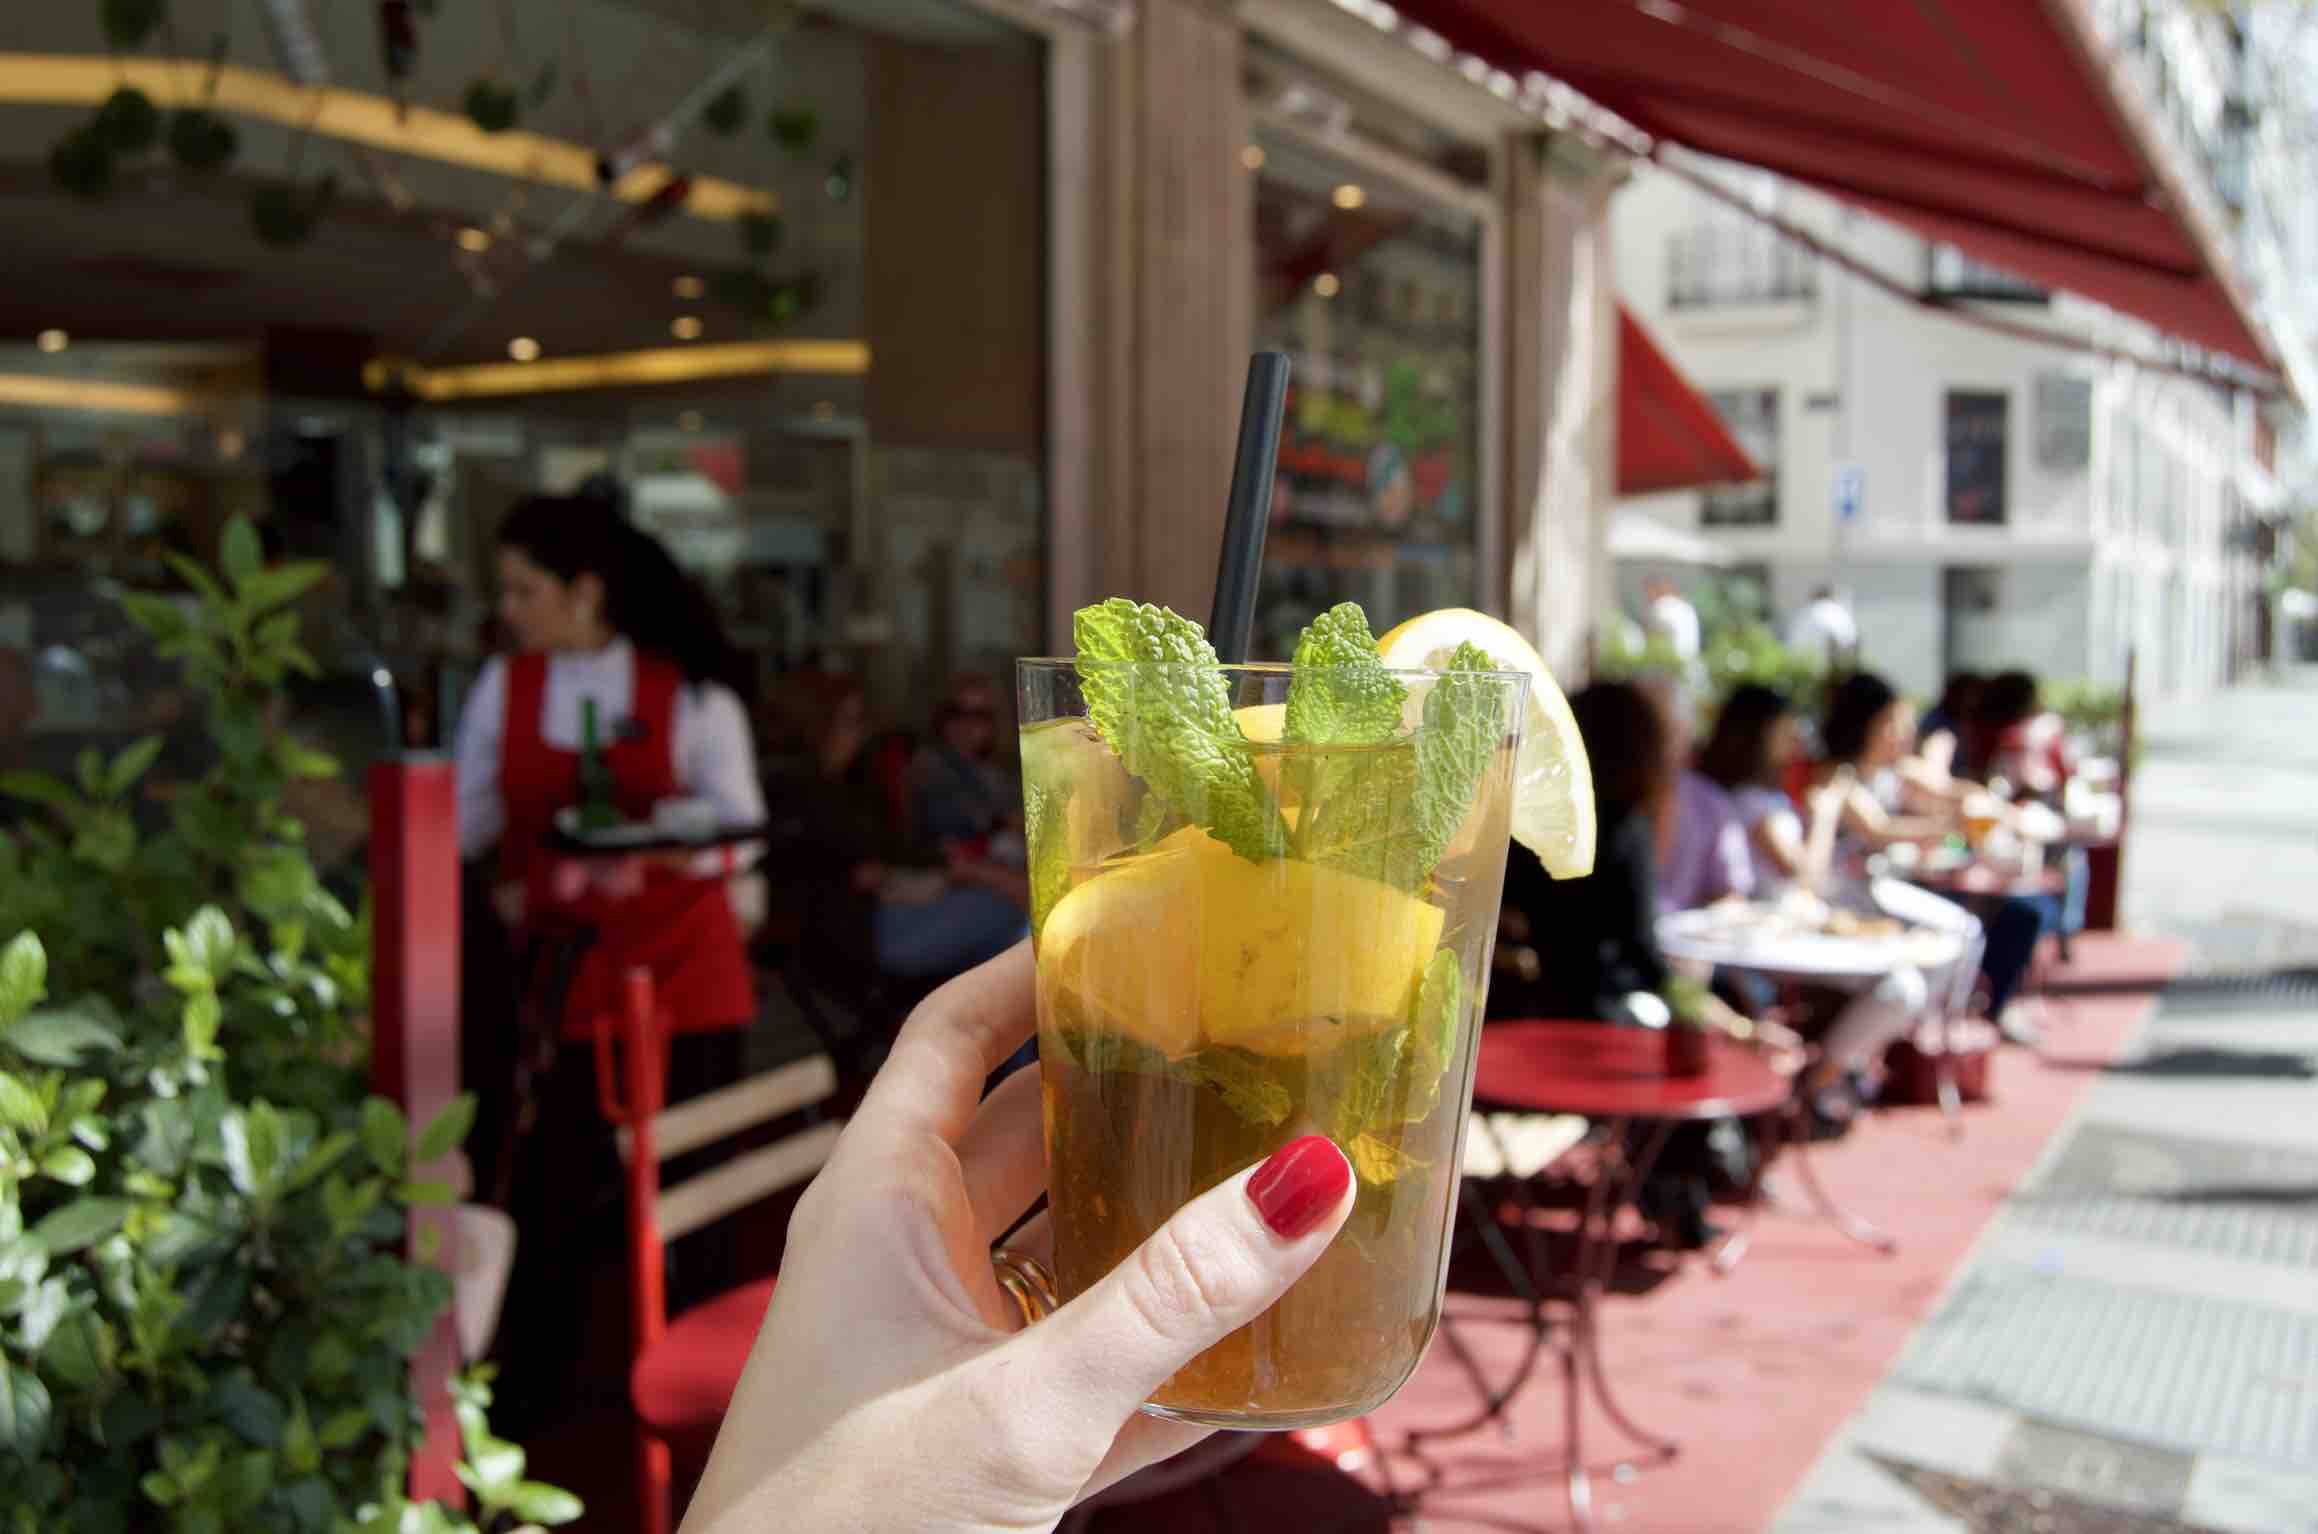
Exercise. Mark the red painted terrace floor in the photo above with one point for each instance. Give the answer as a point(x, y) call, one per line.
point(1753, 1373)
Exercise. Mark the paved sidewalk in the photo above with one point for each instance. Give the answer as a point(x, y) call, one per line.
point(2133, 1346)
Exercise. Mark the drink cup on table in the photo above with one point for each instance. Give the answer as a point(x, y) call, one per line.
point(1264, 900)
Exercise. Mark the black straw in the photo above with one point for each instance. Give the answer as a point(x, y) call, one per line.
point(1248, 511)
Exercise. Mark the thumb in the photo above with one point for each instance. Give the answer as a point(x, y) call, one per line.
point(1215, 1266)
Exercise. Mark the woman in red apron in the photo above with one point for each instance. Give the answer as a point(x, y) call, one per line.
point(602, 623)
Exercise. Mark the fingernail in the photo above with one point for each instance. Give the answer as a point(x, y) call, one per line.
point(1296, 1188)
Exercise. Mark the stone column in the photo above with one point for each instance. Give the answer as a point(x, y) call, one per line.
point(1172, 248)
point(1561, 391)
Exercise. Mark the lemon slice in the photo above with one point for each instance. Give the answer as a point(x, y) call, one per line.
point(1553, 788)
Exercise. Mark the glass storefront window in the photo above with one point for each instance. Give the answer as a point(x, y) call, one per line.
point(1375, 294)
point(820, 373)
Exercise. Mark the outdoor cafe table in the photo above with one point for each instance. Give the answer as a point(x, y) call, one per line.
point(1616, 1076)
point(1844, 961)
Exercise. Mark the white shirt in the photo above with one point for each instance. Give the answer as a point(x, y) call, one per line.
point(715, 759)
point(1823, 623)
point(1674, 617)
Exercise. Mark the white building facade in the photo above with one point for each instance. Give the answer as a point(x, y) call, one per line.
point(1983, 501)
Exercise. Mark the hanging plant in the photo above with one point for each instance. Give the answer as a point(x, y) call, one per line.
point(201, 141)
point(793, 128)
point(492, 106)
point(128, 23)
point(760, 233)
point(128, 122)
point(724, 115)
point(285, 214)
point(81, 165)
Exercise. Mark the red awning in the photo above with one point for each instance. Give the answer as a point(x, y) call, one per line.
point(1669, 437)
point(1993, 125)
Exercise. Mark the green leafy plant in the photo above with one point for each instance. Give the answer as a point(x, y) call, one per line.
point(205, 1320)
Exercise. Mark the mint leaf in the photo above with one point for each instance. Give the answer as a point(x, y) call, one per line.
point(1360, 1085)
point(1359, 814)
point(1157, 694)
point(1243, 1081)
point(1340, 693)
point(1464, 725)
point(1379, 1162)
point(1046, 826)
point(1433, 1027)
point(1435, 1015)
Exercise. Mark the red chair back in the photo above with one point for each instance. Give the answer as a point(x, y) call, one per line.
point(632, 1089)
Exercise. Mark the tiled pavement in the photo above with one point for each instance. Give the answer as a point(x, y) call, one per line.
point(2133, 1346)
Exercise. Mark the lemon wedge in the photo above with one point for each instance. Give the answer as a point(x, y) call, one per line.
point(1553, 788)
point(1192, 945)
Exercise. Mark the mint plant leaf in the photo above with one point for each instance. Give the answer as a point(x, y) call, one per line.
point(1360, 1085)
point(1157, 694)
point(1046, 826)
point(1241, 1080)
point(1340, 693)
point(1359, 816)
point(1380, 1162)
point(1463, 727)
point(1433, 1030)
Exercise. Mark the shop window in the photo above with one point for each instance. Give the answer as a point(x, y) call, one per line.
point(1976, 443)
point(865, 494)
point(1374, 292)
point(1753, 418)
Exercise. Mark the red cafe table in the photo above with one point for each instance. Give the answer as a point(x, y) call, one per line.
point(1614, 1076)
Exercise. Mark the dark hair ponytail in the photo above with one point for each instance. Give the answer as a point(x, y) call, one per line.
point(648, 598)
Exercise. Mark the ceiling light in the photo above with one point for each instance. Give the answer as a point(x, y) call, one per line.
point(523, 349)
point(689, 286)
point(690, 420)
point(685, 327)
point(1348, 196)
point(1252, 157)
point(1326, 285)
point(474, 241)
point(660, 365)
point(53, 341)
point(362, 118)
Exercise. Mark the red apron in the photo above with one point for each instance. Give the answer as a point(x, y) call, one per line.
point(681, 929)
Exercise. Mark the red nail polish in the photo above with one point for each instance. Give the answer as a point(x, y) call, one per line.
point(1296, 1188)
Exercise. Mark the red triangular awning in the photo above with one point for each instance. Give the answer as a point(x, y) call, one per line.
point(1669, 437)
point(1992, 125)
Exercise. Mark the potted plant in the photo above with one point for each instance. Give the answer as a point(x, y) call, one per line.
point(205, 1320)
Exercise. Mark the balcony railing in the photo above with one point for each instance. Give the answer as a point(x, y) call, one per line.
point(1712, 266)
point(1949, 273)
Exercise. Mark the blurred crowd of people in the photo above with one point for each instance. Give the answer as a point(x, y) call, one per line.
point(1796, 811)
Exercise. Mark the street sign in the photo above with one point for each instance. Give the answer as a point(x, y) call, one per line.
point(1850, 491)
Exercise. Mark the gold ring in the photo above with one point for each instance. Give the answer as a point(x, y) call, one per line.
point(1026, 1282)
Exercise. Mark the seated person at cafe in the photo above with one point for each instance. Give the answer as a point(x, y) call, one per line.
point(1704, 854)
point(1865, 735)
point(876, 899)
point(1588, 948)
point(1943, 736)
point(1754, 743)
point(962, 796)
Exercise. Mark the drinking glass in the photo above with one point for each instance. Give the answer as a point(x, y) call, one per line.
point(1198, 1009)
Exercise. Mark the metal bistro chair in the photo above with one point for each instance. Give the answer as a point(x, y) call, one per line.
point(686, 1368)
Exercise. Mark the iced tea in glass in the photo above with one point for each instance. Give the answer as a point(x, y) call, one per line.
point(1262, 937)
